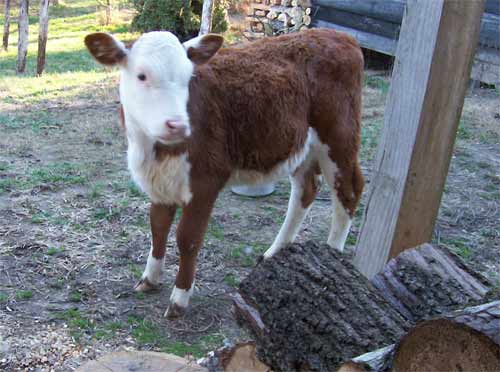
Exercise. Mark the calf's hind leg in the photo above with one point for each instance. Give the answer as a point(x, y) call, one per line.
point(161, 217)
point(305, 185)
point(346, 184)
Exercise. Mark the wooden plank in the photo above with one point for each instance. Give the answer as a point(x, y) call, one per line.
point(431, 73)
point(490, 31)
point(359, 22)
point(367, 40)
point(391, 11)
point(492, 6)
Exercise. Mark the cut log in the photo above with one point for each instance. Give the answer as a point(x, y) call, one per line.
point(309, 308)
point(427, 281)
point(234, 358)
point(144, 361)
point(465, 340)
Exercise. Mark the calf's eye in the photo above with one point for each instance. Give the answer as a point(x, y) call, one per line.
point(141, 77)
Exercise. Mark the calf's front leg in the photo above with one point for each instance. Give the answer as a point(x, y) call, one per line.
point(161, 217)
point(190, 234)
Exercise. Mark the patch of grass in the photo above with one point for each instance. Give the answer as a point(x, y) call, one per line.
point(24, 295)
point(370, 133)
point(39, 218)
point(464, 131)
point(246, 255)
point(351, 239)
point(133, 191)
point(75, 296)
point(58, 173)
point(377, 83)
point(136, 271)
point(216, 231)
point(3, 297)
point(231, 280)
point(96, 191)
point(197, 349)
point(52, 251)
point(460, 247)
point(145, 331)
point(114, 326)
point(3, 166)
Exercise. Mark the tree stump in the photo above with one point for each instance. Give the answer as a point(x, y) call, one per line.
point(144, 361)
point(309, 308)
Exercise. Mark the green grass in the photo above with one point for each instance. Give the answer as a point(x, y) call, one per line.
point(75, 297)
point(3, 297)
point(231, 280)
point(24, 295)
point(69, 70)
point(377, 83)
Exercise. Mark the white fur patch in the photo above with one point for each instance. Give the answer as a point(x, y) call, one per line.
point(165, 181)
point(281, 170)
point(181, 296)
point(154, 268)
point(341, 222)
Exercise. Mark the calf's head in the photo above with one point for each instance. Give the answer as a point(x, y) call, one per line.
point(154, 79)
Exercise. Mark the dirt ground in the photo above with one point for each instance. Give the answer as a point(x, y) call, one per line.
point(74, 235)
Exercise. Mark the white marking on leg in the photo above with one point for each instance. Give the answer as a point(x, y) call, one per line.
point(341, 221)
point(294, 216)
point(181, 297)
point(341, 224)
point(154, 268)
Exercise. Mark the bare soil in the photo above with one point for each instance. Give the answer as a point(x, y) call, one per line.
point(74, 235)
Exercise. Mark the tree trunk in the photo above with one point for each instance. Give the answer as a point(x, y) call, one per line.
point(109, 10)
point(465, 340)
point(309, 308)
point(206, 17)
point(6, 25)
point(22, 43)
point(43, 31)
point(426, 281)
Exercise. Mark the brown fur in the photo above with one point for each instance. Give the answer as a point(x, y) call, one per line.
point(251, 108)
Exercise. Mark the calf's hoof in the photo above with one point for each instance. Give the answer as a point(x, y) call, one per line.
point(175, 311)
point(144, 285)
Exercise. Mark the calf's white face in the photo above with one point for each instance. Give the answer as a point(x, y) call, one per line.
point(154, 80)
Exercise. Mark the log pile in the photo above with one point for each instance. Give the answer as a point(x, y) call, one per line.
point(308, 308)
point(276, 17)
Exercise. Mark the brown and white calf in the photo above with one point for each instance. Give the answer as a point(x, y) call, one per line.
point(199, 118)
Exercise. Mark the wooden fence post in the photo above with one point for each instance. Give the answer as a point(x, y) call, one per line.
point(433, 63)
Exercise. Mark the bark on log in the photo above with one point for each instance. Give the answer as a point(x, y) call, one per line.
point(22, 43)
point(427, 281)
point(309, 308)
point(6, 25)
point(43, 30)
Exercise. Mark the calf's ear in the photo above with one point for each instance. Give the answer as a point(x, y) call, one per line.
point(202, 48)
point(106, 49)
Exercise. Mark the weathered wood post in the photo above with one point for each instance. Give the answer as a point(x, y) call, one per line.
point(22, 43)
point(6, 25)
point(206, 17)
point(43, 30)
point(433, 63)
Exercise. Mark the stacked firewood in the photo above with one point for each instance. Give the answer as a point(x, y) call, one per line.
point(276, 17)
